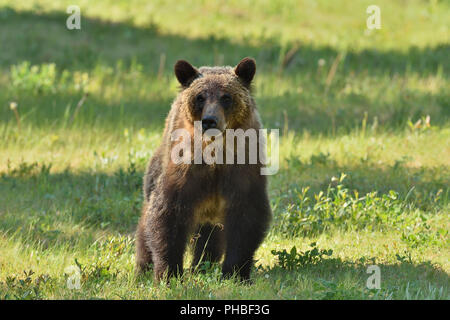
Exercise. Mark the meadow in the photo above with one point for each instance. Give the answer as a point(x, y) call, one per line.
point(364, 130)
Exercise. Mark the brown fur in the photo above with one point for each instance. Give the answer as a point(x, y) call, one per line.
point(226, 204)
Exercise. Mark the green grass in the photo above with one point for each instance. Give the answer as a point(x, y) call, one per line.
point(365, 154)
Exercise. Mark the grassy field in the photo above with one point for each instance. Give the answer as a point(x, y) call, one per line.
point(364, 157)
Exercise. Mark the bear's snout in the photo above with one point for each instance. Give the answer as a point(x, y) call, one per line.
point(209, 122)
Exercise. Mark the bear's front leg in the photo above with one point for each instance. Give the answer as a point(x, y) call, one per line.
point(247, 220)
point(168, 231)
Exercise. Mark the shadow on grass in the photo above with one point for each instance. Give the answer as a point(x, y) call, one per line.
point(68, 206)
point(335, 278)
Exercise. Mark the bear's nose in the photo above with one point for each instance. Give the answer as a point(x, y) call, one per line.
point(209, 122)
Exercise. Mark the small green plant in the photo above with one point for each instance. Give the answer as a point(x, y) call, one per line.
point(25, 169)
point(329, 290)
point(129, 179)
point(36, 79)
point(293, 260)
point(421, 125)
point(404, 258)
point(420, 234)
point(23, 287)
point(106, 259)
point(309, 214)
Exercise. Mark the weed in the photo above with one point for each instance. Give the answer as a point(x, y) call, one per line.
point(23, 287)
point(36, 79)
point(293, 260)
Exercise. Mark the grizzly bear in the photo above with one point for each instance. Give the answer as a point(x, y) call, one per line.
point(226, 205)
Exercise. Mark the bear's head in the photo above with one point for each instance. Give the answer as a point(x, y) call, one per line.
point(219, 97)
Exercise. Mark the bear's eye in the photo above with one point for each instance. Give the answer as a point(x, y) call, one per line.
point(226, 100)
point(199, 99)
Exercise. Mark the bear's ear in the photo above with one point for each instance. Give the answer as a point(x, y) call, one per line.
point(245, 70)
point(185, 72)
